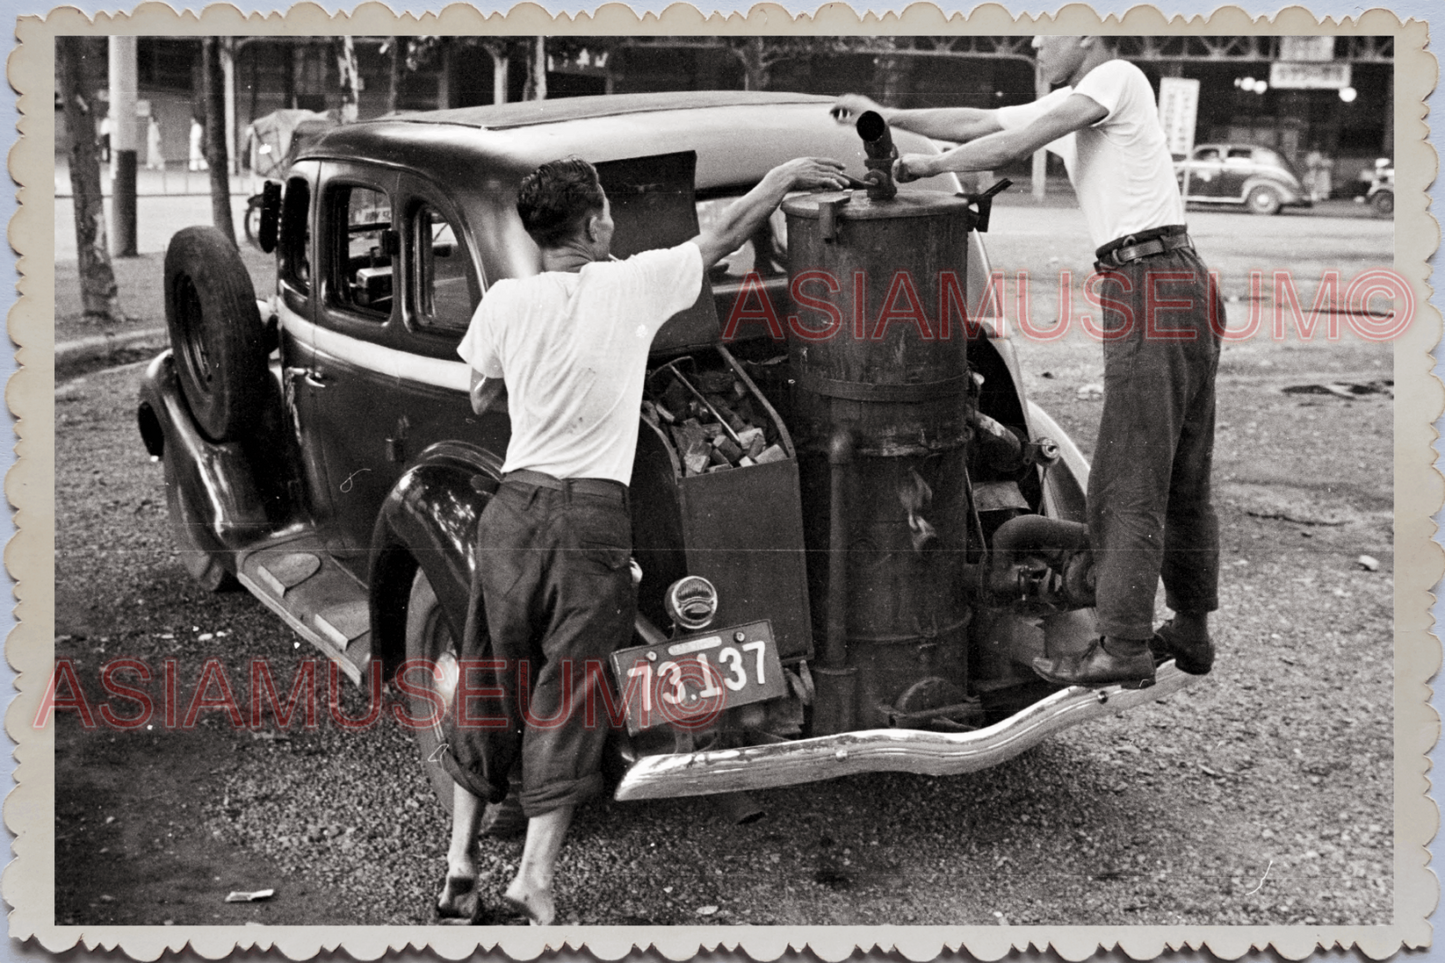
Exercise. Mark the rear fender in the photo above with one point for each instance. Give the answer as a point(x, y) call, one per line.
point(1067, 482)
point(428, 521)
point(216, 480)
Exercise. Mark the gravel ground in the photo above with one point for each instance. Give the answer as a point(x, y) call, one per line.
point(1261, 795)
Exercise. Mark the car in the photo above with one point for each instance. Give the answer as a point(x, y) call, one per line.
point(835, 573)
point(1380, 194)
point(1259, 178)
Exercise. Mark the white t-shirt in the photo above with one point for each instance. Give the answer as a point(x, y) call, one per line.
point(1120, 167)
point(572, 349)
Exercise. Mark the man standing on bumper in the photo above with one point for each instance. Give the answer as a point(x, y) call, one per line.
point(1149, 498)
point(552, 595)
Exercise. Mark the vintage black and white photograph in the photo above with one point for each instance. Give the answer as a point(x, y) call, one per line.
point(705, 480)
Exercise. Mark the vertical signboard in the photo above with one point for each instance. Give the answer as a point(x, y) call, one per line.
point(1178, 113)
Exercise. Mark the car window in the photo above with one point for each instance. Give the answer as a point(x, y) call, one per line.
point(771, 239)
point(1207, 154)
point(441, 272)
point(362, 242)
point(1238, 155)
point(295, 240)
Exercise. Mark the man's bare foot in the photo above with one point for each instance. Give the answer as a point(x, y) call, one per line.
point(535, 903)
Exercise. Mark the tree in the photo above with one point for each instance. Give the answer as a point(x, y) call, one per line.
point(213, 92)
point(350, 79)
point(79, 59)
point(396, 48)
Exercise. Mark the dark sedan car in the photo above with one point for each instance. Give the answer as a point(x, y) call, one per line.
point(850, 541)
point(1256, 177)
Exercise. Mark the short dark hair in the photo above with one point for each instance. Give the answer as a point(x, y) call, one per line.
point(556, 197)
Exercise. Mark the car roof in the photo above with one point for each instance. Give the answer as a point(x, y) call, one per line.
point(738, 135)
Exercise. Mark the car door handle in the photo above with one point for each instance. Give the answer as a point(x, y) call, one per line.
point(314, 377)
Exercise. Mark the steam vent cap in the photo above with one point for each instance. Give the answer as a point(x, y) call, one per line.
point(860, 208)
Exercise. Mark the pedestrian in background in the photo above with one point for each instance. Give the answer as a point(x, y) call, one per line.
point(197, 157)
point(155, 156)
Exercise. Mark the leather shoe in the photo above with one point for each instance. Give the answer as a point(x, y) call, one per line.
point(1098, 666)
point(460, 901)
point(1195, 656)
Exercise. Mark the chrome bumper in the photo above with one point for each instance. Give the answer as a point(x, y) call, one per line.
point(884, 750)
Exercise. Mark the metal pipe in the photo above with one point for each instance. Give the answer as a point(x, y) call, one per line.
point(880, 155)
point(840, 456)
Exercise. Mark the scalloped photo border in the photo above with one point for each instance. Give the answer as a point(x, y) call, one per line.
point(29, 879)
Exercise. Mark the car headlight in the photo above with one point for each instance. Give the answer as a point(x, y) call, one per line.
point(691, 602)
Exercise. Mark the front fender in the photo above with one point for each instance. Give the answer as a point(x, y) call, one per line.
point(428, 521)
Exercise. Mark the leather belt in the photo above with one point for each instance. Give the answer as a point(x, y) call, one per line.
point(1144, 244)
point(604, 487)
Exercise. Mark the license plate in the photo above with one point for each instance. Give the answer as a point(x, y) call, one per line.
point(688, 682)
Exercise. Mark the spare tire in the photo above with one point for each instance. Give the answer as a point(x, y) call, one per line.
point(216, 332)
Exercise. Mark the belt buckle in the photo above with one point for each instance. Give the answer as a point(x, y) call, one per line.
point(1129, 241)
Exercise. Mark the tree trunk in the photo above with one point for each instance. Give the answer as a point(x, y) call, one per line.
point(393, 77)
point(213, 91)
point(77, 85)
point(537, 74)
point(755, 63)
point(350, 81)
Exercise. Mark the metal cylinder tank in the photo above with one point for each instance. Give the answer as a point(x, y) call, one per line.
point(878, 350)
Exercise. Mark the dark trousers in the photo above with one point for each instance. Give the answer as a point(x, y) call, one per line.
point(1150, 513)
point(551, 600)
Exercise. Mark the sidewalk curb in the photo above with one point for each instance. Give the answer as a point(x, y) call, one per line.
point(100, 347)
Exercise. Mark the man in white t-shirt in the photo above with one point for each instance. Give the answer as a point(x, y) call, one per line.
point(552, 594)
point(1149, 494)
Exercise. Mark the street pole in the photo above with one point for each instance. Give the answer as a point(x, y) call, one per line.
point(1041, 156)
point(124, 140)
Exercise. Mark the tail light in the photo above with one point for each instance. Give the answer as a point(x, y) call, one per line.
point(692, 603)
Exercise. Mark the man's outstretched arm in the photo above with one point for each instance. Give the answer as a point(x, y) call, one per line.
point(1005, 146)
point(961, 124)
point(744, 215)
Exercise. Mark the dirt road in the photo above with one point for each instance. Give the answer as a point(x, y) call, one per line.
point(1261, 795)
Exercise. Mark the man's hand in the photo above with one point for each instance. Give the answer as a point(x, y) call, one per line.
point(849, 107)
point(911, 167)
point(744, 215)
point(811, 173)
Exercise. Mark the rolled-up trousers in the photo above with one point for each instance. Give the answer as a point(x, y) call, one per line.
point(1150, 512)
point(551, 600)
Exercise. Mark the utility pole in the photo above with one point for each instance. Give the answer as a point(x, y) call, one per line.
point(1041, 156)
point(124, 139)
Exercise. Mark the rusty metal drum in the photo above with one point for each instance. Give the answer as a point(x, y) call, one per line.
point(878, 346)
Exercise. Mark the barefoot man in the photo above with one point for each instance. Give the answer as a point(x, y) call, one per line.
point(553, 590)
point(1149, 498)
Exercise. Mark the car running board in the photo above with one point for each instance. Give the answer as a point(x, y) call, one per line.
point(298, 580)
point(884, 750)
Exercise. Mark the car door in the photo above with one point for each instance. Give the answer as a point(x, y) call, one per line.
point(296, 312)
point(346, 392)
point(1204, 167)
point(441, 286)
point(1238, 167)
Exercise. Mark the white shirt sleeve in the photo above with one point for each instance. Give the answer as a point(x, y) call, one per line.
point(477, 348)
point(1106, 85)
point(1021, 115)
point(669, 280)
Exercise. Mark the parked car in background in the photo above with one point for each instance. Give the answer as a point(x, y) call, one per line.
point(1380, 194)
point(1257, 177)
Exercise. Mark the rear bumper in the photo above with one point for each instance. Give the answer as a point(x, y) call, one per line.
point(884, 750)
